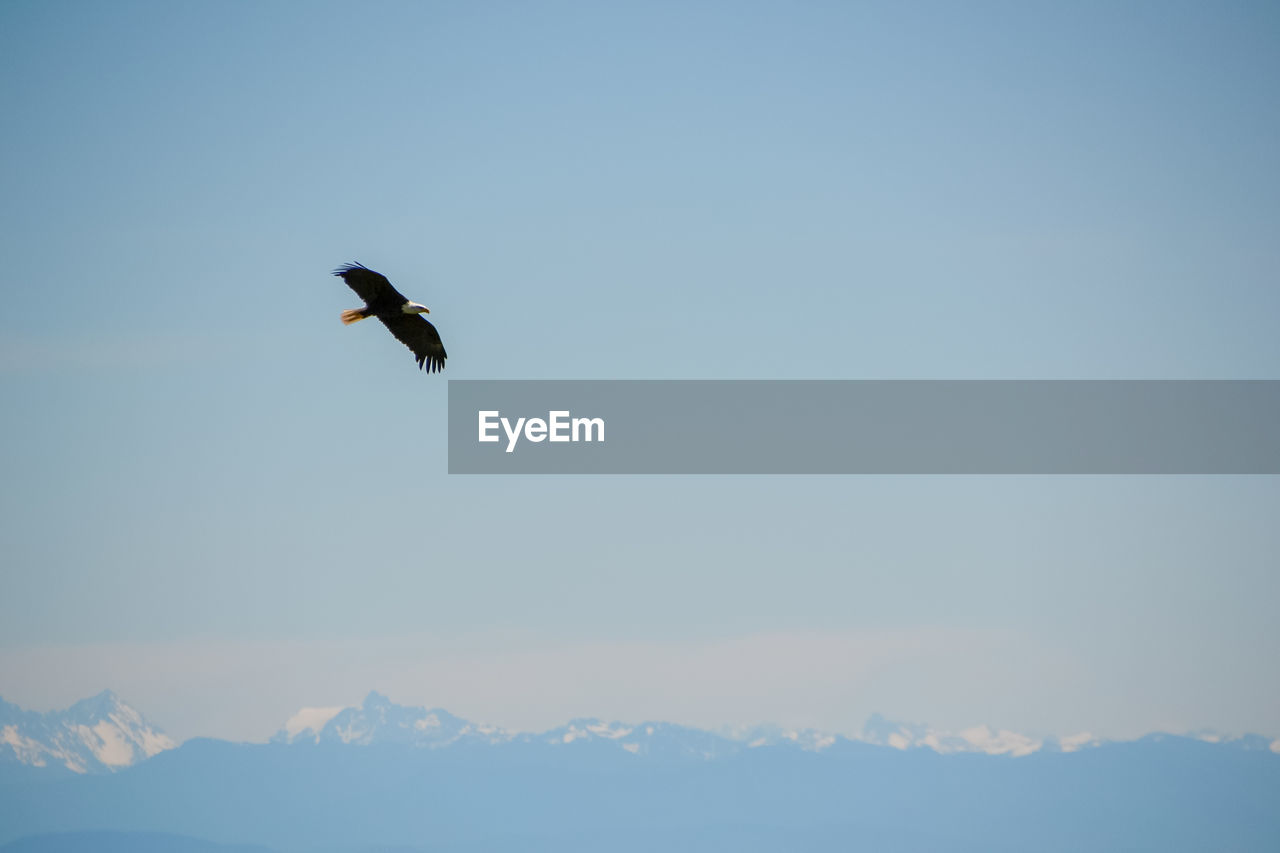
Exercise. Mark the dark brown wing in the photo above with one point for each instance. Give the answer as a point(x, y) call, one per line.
point(420, 336)
point(371, 286)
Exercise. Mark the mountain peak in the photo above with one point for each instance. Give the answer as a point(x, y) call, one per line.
point(378, 720)
point(980, 738)
point(376, 700)
point(96, 707)
point(94, 735)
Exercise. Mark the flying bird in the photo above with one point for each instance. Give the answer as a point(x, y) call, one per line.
point(402, 317)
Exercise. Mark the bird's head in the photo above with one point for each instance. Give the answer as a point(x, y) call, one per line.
point(415, 308)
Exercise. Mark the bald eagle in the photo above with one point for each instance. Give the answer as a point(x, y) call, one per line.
point(402, 317)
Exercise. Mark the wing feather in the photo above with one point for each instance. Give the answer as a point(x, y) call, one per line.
point(371, 286)
point(420, 336)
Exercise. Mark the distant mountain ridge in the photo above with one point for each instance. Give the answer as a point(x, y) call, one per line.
point(577, 790)
point(380, 721)
point(386, 777)
point(102, 734)
point(95, 735)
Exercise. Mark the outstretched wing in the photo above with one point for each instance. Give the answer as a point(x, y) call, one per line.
point(371, 286)
point(420, 336)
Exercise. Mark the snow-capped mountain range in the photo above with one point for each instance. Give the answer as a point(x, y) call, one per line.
point(381, 721)
point(982, 739)
point(103, 734)
point(95, 735)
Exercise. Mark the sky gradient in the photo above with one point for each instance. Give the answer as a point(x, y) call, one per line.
point(224, 505)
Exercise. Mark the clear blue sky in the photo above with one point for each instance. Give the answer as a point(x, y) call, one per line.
point(223, 504)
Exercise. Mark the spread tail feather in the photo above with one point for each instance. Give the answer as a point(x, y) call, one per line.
point(352, 315)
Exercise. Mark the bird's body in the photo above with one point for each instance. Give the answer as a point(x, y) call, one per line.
point(402, 317)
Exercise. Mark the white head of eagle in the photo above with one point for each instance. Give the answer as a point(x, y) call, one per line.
point(402, 317)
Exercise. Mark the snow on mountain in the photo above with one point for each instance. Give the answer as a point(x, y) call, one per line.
point(307, 724)
point(1071, 743)
point(665, 740)
point(380, 721)
point(754, 737)
point(1246, 742)
point(103, 734)
point(95, 735)
point(981, 738)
